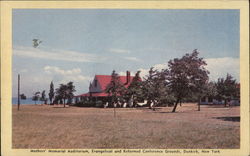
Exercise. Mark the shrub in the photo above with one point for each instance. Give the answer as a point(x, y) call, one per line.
point(98, 103)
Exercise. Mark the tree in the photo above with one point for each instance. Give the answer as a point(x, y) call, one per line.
point(62, 92)
point(51, 92)
point(163, 93)
point(149, 87)
point(134, 90)
point(71, 90)
point(155, 88)
point(23, 97)
point(227, 88)
point(207, 90)
point(36, 96)
point(115, 88)
point(43, 97)
point(186, 75)
point(65, 91)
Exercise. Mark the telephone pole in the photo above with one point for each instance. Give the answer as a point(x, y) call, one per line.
point(18, 101)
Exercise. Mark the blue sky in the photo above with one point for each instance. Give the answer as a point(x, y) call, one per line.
point(79, 43)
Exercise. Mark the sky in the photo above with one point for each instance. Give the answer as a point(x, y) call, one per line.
point(78, 44)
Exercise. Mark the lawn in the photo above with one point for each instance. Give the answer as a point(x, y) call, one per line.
point(42, 126)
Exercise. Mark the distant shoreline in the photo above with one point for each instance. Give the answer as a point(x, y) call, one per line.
point(28, 104)
point(28, 101)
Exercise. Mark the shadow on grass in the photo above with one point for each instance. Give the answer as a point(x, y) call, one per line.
point(218, 106)
point(60, 107)
point(147, 108)
point(229, 118)
point(164, 112)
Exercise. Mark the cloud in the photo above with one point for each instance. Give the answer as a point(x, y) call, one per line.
point(132, 59)
point(23, 70)
point(34, 82)
point(57, 70)
point(125, 73)
point(219, 67)
point(120, 51)
point(63, 76)
point(61, 55)
point(31, 83)
point(143, 72)
point(66, 75)
point(159, 67)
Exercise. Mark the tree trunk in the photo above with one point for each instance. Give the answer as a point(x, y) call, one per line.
point(113, 104)
point(63, 102)
point(149, 102)
point(180, 102)
point(114, 111)
point(153, 106)
point(225, 103)
point(199, 104)
point(176, 103)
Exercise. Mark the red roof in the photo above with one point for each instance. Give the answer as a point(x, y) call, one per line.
point(104, 80)
point(85, 94)
point(93, 94)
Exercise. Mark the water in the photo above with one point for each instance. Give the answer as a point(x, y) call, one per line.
point(27, 101)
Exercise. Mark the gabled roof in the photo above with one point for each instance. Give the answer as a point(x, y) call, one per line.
point(93, 94)
point(104, 80)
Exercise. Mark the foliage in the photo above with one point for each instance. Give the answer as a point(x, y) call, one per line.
point(227, 88)
point(51, 92)
point(115, 88)
point(36, 96)
point(135, 88)
point(23, 97)
point(43, 97)
point(86, 103)
point(210, 89)
point(155, 88)
point(186, 75)
point(71, 90)
point(65, 91)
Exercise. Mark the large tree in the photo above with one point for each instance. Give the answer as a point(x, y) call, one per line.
point(71, 90)
point(115, 88)
point(134, 90)
point(186, 75)
point(65, 91)
point(51, 92)
point(155, 88)
point(149, 88)
point(227, 88)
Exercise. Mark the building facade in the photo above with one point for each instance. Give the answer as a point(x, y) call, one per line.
point(97, 88)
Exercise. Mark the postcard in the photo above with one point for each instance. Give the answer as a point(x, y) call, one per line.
point(125, 78)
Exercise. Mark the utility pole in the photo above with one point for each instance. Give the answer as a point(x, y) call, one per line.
point(18, 102)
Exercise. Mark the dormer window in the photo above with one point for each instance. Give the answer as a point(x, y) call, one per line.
point(95, 83)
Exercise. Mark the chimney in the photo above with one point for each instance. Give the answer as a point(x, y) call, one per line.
point(128, 77)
